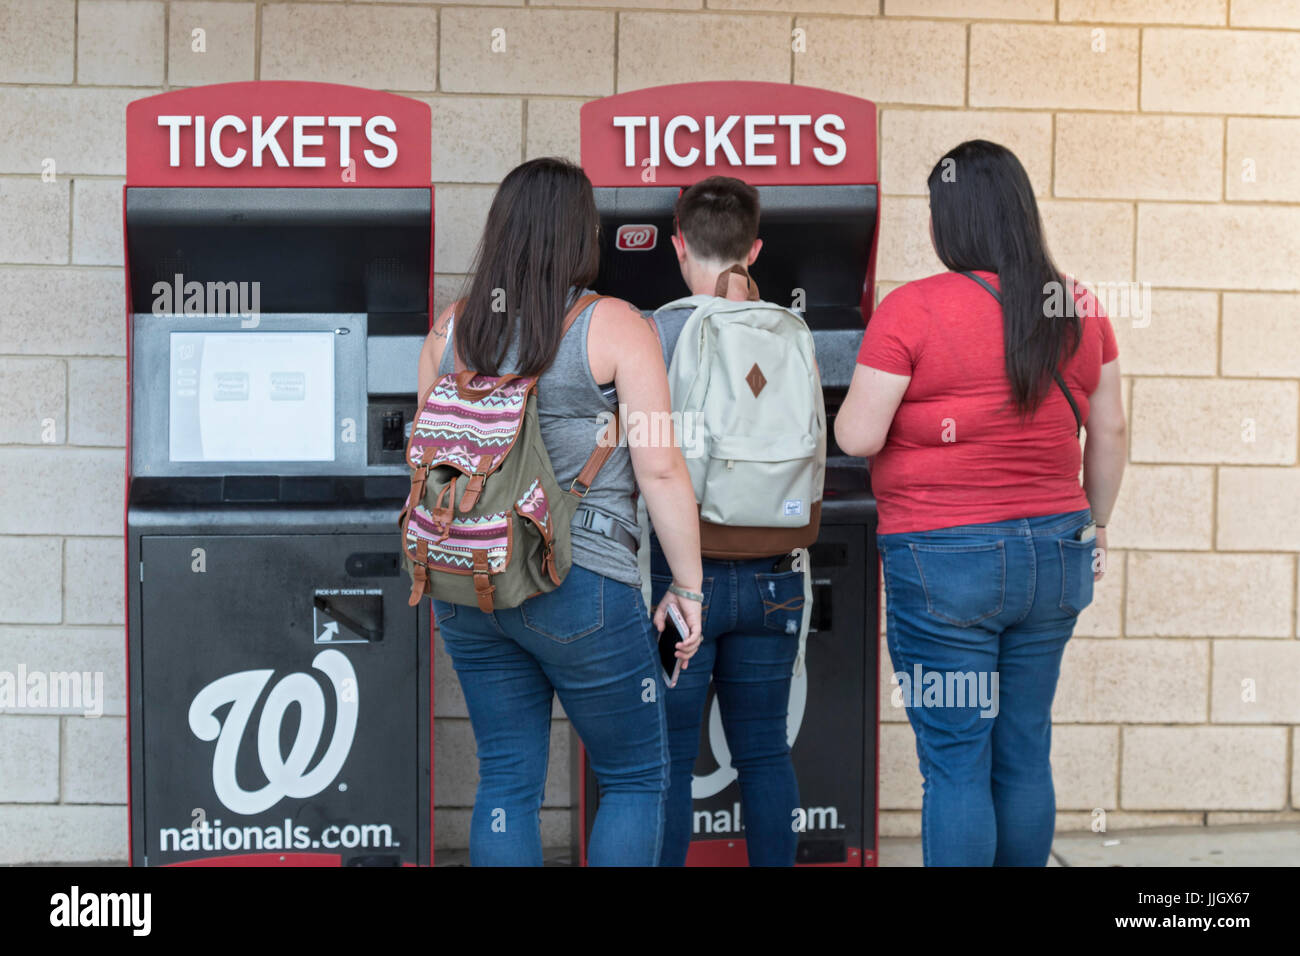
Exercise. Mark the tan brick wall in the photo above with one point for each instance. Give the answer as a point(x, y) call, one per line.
point(1160, 138)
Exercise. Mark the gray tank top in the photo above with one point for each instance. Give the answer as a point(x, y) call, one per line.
point(569, 402)
point(670, 323)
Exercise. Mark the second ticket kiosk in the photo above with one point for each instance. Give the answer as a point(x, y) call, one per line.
point(812, 155)
point(279, 256)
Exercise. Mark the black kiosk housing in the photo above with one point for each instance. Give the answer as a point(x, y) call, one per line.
point(817, 258)
point(279, 684)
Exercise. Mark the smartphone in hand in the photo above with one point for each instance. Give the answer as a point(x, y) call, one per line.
point(675, 630)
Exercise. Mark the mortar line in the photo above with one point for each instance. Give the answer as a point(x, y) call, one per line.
point(167, 66)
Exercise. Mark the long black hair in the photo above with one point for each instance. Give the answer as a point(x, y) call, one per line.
point(984, 216)
point(540, 240)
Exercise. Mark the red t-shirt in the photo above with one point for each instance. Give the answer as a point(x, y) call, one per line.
point(957, 452)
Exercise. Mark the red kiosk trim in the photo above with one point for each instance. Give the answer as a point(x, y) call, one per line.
point(253, 134)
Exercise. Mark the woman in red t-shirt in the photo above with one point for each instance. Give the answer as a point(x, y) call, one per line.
point(969, 394)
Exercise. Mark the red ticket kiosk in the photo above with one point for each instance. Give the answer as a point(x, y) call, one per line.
point(812, 155)
point(278, 289)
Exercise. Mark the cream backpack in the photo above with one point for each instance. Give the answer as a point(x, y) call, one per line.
point(744, 379)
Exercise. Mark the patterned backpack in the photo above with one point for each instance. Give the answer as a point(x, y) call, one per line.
point(486, 522)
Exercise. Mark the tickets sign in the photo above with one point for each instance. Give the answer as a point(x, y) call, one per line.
point(764, 133)
point(278, 133)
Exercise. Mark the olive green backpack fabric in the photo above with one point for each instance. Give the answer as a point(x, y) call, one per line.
point(486, 522)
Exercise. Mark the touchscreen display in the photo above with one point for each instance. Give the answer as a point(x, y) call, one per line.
point(251, 396)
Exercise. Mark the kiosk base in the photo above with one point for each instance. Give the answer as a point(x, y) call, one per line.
point(833, 705)
point(276, 660)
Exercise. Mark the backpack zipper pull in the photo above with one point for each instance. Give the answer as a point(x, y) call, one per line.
point(731, 464)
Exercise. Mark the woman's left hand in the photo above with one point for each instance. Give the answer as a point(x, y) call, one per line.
point(690, 612)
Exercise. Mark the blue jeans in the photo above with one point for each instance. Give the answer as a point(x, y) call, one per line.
point(591, 642)
point(751, 620)
point(978, 617)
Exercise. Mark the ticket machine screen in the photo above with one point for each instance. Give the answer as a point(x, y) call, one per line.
point(251, 396)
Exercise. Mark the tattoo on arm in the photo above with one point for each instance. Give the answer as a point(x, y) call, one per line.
point(440, 326)
point(647, 319)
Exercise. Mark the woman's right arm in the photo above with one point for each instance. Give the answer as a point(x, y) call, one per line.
point(1105, 451)
point(431, 353)
point(624, 347)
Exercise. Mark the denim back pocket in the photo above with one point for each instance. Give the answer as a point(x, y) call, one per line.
point(782, 599)
point(1076, 574)
point(443, 611)
point(963, 583)
point(573, 610)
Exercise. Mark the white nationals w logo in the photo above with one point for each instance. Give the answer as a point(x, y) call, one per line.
point(285, 777)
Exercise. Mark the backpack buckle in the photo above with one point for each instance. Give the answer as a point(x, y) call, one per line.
point(442, 513)
point(483, 587)
point(472, 490)
point(581, 494)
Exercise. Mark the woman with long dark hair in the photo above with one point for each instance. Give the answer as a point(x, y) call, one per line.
point(968, 398)
point(590, 640)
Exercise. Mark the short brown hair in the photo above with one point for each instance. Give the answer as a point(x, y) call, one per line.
point(718, 218)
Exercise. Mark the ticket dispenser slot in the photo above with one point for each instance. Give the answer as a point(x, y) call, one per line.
point(811, 154)
point(362, 614)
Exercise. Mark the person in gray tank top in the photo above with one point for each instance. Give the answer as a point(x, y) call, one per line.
point(572, 411)
point(590, 640)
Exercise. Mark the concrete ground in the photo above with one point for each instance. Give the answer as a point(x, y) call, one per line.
point(1245, 845)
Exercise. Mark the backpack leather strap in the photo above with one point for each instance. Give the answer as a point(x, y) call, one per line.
point(463, 378)
point(720, 289)
point(605, 446)
point(608, 441)
point(420, 575)
point(419, 477)
point(483, 586)
point(578, 307)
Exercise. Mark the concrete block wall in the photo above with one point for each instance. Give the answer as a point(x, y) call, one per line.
point(1159, 135)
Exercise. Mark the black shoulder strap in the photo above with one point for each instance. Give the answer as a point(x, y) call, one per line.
point(1074, 407)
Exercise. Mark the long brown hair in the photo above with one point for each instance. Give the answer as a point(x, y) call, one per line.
point(986, 218)
point(540, 240)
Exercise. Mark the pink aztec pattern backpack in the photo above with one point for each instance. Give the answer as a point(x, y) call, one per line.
point(486, 522)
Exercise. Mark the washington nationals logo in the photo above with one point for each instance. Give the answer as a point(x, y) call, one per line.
point(285, 776)
point(635, 237)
